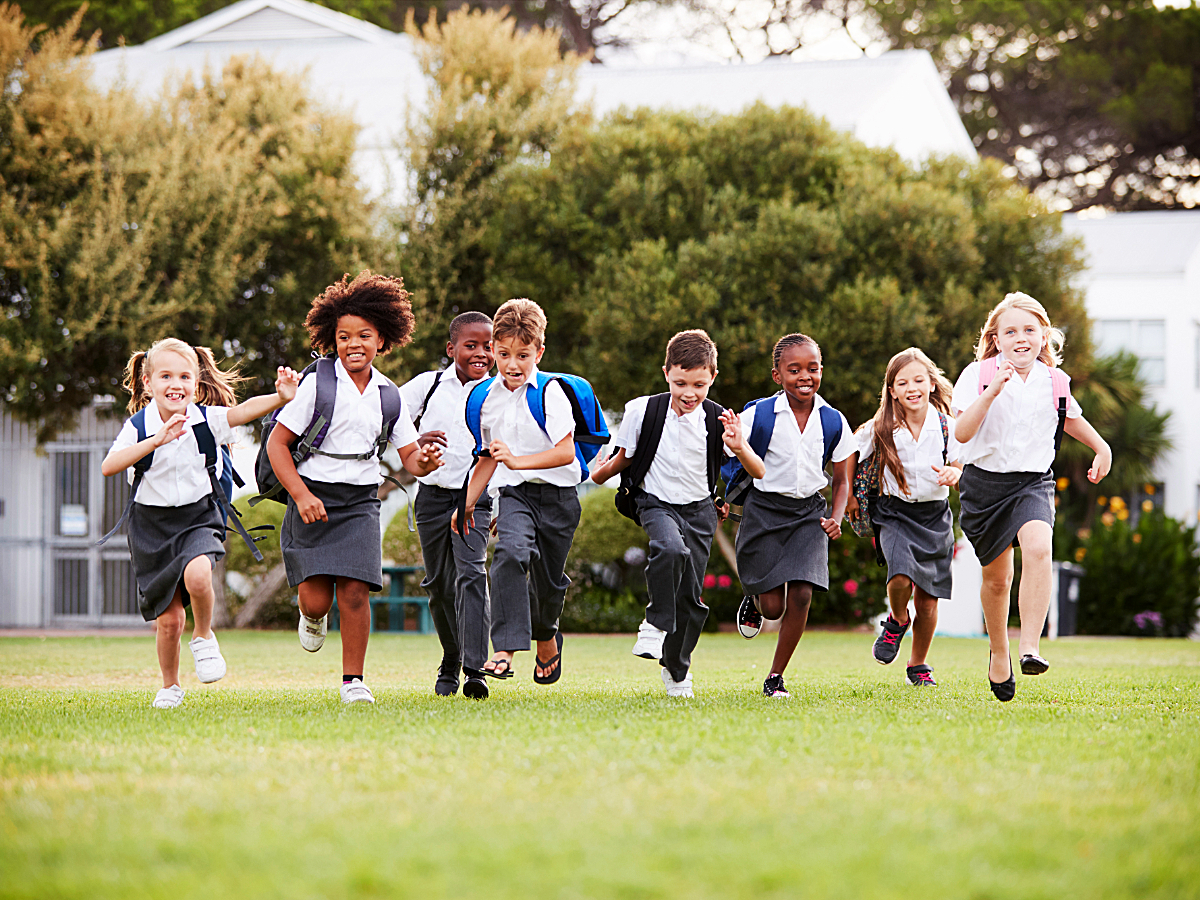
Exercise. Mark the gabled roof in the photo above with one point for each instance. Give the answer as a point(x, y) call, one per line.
point(268, 20)
point(1155, 243)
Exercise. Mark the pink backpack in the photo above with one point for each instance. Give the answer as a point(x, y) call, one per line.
point(1060, 391)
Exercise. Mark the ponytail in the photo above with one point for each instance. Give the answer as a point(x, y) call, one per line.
point(138, 397)
point(215, 387)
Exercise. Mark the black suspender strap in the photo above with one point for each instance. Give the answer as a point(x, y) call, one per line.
point(716, 445)
point(437, 379)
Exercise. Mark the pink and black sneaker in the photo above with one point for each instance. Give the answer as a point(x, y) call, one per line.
point(920, 676)
point(887, 645)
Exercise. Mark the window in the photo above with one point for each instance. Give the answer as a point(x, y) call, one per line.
point(1144, 338)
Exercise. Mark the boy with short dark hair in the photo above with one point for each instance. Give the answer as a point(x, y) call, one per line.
point(682, 433)
point(536, 475)
point(455, 575)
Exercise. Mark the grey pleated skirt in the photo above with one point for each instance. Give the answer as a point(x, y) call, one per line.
point(347, 546)
point(162, 541)
point(917, 540)
point(994, 506)
point(781, 540)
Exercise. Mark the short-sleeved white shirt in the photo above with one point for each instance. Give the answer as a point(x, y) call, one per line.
point(916, 457)
point(679, 471)
point(177, 475)
point(1017, 434)
point(793, 459)
point(445, 411)
point(505, 416)
point(357, 421)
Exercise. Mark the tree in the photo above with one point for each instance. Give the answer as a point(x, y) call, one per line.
point(213, 215)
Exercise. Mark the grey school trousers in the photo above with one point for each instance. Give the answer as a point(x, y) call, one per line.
point(680, 540)
point(455, 575)
point(535, 525)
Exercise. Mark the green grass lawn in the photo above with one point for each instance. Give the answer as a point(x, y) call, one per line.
point(264, 785)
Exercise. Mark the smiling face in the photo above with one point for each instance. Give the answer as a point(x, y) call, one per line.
point(515, 361)
point(911, 388)
point(358, 343)
point(472, 351)
point(170, 381)
point(689, 387)
point(1020, 337)
point(799, 373)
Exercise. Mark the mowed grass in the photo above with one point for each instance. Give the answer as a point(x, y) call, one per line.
point(264, 785)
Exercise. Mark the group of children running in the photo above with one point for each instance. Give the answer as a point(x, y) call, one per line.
point(500, 454)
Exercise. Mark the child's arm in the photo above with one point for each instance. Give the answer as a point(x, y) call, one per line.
point(735, 439)
point(1081, 429)
point(614, 465)
point(421, 459)
point(120, 460)
point(852, 508)
point(286, 382)
point(841, 495)
point(310, 508)
point(968, 420)
point(560, 454)
point(484, 468)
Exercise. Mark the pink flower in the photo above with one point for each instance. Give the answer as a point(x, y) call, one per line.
point(710, 581)
point(724, 581)
point(851, 586)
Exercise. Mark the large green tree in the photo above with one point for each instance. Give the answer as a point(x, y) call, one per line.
point(213, 215)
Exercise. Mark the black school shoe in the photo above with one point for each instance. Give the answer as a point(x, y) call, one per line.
point(920, 676)
point(749, 619)
point(1032, 664)
point(1004, 690)
point(887, 645)
point(475, 687)
point(447, 678)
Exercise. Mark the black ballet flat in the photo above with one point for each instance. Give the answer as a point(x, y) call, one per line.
point(1004, 690)
point(1032, 664)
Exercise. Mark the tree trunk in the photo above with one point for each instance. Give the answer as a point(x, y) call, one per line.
point(268, 584)
point(220, 617)
point(726, 547)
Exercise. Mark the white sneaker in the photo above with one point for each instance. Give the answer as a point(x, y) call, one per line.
point(677, 688)
point(356, 692)
point(312, 632)
point(210, 664)
point(168, 697)
point(649, 642)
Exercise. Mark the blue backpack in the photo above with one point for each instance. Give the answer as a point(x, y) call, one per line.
point(222, 485)
point(737, 480)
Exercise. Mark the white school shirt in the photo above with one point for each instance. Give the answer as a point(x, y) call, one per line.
point(445, 411)
point(176, 476)
point(916, 457)
point(1017, 434)
point(793, 457)
point(357, 421)
point(505, 416)
point(679, 471)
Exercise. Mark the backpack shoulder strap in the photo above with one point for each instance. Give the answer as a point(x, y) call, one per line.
point(474, 410)
point(653, 421)
point(1060, 394)
point(389, 404)
point(945, 437)
point(764, 425)
point(206, 442)
point(716, 446)
point(537, 398)
point(831, 432)
point(325, 373)
point(437, 379)
point(987, 371)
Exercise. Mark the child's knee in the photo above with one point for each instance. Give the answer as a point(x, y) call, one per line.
point(197, 577)
point(925, 607)
point(353, 595)
point(671, 552)
point(901, 583)
point(172, 622)
point(997, 578)
point(771, 605)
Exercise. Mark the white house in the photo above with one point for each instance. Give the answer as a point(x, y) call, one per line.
point(1142, 289)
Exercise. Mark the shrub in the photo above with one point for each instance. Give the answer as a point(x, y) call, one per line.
point(606, 566)
point(1140, 581)
point(278, 612)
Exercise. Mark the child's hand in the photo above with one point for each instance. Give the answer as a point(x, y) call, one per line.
point(832, 528)
point(852, 508)
point(433, 437)
point(311, 509)
point(468, 520)
point(1006, 371)
point(1100, 466)
point(722, 511)
point(947, 476)
point(501, 453)
point(286, 382)
point(429, 457)
point(732, 435)
point(172, 429)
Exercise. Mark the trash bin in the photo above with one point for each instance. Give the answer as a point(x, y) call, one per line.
point(1066, 599)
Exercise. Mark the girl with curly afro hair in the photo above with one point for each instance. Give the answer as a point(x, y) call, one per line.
point(330, 532)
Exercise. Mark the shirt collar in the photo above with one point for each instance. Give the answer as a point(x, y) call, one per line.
point(691, 418)
point(1038, 366)
point(498, 384)
point(781, 402)
point(377, 377)
point(154, 421)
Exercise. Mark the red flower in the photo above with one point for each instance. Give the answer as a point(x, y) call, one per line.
point(724, 581)
point(710, 581)
point(851, 586)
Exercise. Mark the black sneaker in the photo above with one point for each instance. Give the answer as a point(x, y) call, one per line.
point(887, 645)
point(920, 676)
point(773, 688)
point(475, 687)
point(447, 678)
point(749, 619)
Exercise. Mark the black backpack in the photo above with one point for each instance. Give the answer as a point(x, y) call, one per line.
point(310, 441)
point(643, 454)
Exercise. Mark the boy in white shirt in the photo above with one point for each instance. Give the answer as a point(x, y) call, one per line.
point(535, 474)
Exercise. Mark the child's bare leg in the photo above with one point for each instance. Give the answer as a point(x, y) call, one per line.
point(315, 596)
point(772, 603)
point(197, 578)
point(1033, 596)
point(994, 595)
point(899, 591)
point(168, 629)
point(795, 617)
point(354, 611)
point(924, 624)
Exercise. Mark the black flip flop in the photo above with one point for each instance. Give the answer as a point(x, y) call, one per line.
point(552, 661)
point(508, 669)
